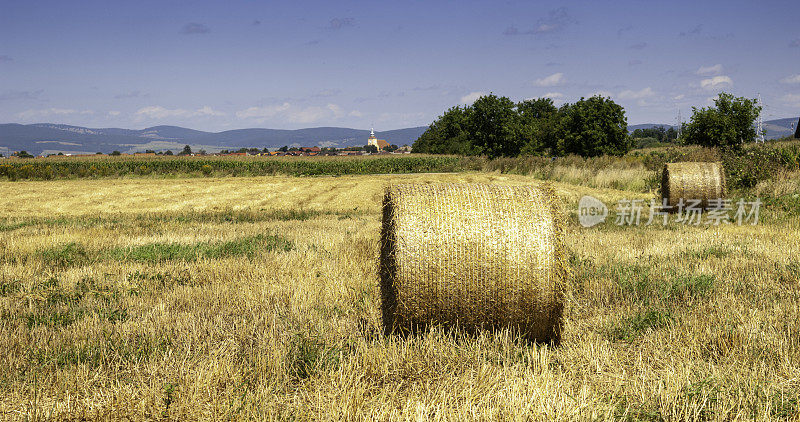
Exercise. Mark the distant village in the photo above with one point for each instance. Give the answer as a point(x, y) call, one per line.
point(374, 146)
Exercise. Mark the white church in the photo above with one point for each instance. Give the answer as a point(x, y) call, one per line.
point(379, 143)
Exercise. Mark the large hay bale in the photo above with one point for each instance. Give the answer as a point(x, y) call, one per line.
point(473, 256)
point(690, 180)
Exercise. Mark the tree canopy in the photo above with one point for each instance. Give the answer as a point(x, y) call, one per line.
point(594, 126)
point(497, 127)
point(728, 125)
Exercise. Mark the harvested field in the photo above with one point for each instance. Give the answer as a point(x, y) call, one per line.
point(259, 298)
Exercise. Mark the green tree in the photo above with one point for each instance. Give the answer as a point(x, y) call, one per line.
point(447, 135)
point(494, 127)
point(539, 123)
point(115, 153)
point(592, 127)
point(284, 148)
point(168, 152)
point(370, 148)
point(728, 125)
point(187, 150)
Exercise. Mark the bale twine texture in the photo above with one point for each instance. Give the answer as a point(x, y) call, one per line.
point(692, 181)
point(474, 257)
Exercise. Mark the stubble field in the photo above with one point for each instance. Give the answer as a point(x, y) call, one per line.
point(258, 298)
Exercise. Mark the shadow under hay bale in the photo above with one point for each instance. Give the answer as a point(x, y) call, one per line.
point(692, 181)
point(473, 257)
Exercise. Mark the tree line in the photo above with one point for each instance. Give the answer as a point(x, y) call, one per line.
point(498, 127)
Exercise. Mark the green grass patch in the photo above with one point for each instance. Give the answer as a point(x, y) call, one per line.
point(629, 410)
point(60, 306)
point(63, 256)
point(140, 281)
point(111, 346)
point(158, 219)
point(75, 254)
point(708, 252)
point(308, 355)
point(252, 216)
point(648, 286)
point(785, 405)
point(690, 287)
point(160, 252)
point(629, 328)
point(10, 287)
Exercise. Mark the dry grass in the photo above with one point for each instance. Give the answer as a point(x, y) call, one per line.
point(674, 323)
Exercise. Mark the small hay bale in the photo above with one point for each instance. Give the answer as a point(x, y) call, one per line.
point(697, 181)
point(474, 257)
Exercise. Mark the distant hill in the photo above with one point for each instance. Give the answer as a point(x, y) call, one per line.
point(775, 128)
point(50, 138)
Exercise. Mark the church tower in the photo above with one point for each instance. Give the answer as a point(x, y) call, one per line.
point(372, 140)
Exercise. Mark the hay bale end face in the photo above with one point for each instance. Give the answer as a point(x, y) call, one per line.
point(473, 257)
point(692, 181)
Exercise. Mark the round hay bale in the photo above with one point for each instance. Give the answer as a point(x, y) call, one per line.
point(692, 181)
point(474, 257)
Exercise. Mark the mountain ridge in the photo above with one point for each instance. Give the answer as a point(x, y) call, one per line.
point(49, 138)
point(52, 138)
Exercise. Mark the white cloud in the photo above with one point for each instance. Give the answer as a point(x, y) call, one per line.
point(48, 112)
point(159, 112)
point(636, 95)
point(546, 27)
point(553, 95)
point(791, 99)
point(314, 113)
point(291, 113)
point(679, 97)
point(355, 113)
point(716, 81)
point(709, 70)
point(794, 79)
point(471, 97)
point(113, 113)
point(208, 111)
point(552, 80)
point(262, 113)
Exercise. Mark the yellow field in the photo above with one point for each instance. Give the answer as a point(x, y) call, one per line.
point(258, 298)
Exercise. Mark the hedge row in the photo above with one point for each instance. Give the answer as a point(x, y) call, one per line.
point(47, 169)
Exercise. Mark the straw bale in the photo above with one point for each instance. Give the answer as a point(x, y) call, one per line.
point(474, 257)
point(692, 181)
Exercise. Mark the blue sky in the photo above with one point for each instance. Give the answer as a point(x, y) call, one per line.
point(236, 64)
